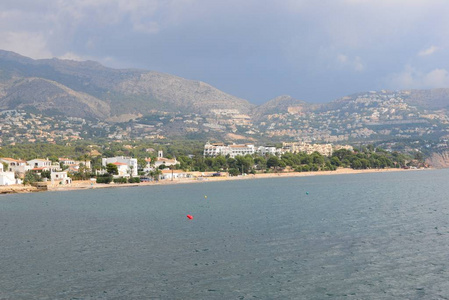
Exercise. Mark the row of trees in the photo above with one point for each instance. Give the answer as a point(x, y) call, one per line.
point(300, 162)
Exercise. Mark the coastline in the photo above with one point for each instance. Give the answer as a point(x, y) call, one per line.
point(81, 185)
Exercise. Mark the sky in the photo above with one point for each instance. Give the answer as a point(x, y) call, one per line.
point(316, 51)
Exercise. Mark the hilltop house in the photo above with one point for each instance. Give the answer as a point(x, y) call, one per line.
point(125, 165)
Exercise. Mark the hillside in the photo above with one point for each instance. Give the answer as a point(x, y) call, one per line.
point(283, 104)
point(101, 92)
point(39, 98)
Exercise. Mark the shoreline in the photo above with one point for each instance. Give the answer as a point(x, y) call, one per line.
point(83, 185)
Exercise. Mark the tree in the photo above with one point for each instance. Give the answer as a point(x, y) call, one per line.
point(31, 177)
point(273, 162)
point(244, 163)
point(261, 163)
point(46, 174)
point(234, 172)
point(418, 156)
point(141, 163)
point(155, 174)
point(335, 161)
point(112, 169)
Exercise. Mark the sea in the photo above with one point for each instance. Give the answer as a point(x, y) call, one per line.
point(354, 236)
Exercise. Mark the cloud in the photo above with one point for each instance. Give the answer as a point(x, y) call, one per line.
point(429, 51)
point(26, 43)
point(73, 56)
point(355, 64)
point(412, 78)
point(346, 45)
point(437, 78)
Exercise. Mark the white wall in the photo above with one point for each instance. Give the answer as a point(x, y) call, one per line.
point(7, 178)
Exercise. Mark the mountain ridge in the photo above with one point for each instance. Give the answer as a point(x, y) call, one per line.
point(124, 90)
point(150, 104)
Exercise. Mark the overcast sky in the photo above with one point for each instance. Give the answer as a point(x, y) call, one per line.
point(315, 51)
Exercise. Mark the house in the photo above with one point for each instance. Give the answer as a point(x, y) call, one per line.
point(15, 165)
point(161, 160)
point(269, 150)
point(122, 169)
point(74, 165)
point(174, 174)
point(60, 177)
point(7, 178)
point(128, 163)
point(40, 163)
point(148, 166)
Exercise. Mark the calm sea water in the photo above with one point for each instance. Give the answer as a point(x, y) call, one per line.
point(370, 236)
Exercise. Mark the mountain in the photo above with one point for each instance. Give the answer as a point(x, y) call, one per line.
point(39, 98)
point(89, 90)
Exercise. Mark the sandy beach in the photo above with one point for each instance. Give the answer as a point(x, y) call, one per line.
point(78, 185)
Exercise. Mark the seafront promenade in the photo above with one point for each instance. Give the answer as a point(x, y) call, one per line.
point(87, 184)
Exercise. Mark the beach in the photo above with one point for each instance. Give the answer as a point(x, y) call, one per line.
point(87, 184)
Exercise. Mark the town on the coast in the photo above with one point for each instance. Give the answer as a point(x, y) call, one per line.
point(65, 123)
point(216, 160)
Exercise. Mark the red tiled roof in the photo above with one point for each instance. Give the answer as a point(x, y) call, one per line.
point(12, 159)
point(40, 169)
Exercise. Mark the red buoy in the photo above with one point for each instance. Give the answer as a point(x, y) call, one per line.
point(189, 217)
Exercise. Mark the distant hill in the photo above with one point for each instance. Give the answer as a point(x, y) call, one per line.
point(428, 99)
point(89, 90)
point(433, 99)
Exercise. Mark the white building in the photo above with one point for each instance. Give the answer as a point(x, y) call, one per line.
point(15, 166)
point(124, 162)
point(43, 165)
point(148, 166)
point(7, 178)
point(60, 177)
point(294, 147)
point(74, 163)
point(231, 150)
point(173, 174)
point(122, 169)
point(39, 163)
point(242, 150)
point(161, 160)
point(268, 150)
point(216, 149)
